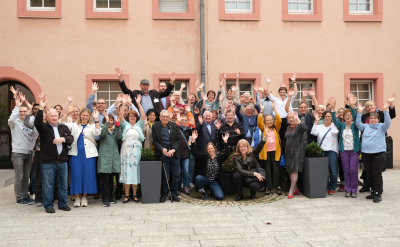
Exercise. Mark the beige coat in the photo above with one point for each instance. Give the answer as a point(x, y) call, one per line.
point(147, 132)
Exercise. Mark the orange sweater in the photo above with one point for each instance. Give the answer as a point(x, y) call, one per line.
point(261, 126)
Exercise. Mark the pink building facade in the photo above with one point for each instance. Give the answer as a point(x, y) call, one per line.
point(62, 46)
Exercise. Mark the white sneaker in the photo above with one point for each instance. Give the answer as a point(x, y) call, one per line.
point(84, 202)
point(191, 185)
point(77, 202)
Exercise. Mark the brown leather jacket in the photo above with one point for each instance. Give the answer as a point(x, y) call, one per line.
point(243, 167)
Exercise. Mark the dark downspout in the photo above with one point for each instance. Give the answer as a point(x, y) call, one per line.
point(202, 49)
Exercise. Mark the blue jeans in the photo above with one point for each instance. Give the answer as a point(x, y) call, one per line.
point(333, 172)
point(49, 173)
point(171, 164)
point(201, 181)
point(184, 172)
point(191, 169)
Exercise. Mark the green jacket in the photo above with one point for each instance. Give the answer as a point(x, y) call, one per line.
point(109, 160)
point(341, 126)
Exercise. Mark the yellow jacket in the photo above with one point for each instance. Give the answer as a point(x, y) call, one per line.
point(261, 126)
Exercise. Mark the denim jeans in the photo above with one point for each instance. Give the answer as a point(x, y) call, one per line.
point(201, 181)
point(172, 165)
point(333, 169)
point(184, 172)
point(49, 173)
point(22, 167)
point(192, 162)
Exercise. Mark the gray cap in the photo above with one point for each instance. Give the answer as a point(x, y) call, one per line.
point(145, 81)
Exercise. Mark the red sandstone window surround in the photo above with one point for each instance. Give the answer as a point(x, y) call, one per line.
point(179, 77)
point(376, 13)
point(90, 78)
point(25, 10)
point(318, 78)
point(313, 14)
point(166, 14)
point(377, 79)
point(240, 14)
point(106, 12)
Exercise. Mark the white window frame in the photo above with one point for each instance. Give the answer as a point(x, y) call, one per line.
point(95, 9)
point(110, 100)
point(370, 12)
point(300, 94)
point(29, 8)
point(301, 11)
point(371, 89)
point(186, 90)
point(241, 11)
point(230, 83)
point(186, 10)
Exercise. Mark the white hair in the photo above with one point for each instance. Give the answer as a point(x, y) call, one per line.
point(165, 111)
point(291, 112)
point(206, 112)
point(52, 109)
point(246, 94)
point(322, 106)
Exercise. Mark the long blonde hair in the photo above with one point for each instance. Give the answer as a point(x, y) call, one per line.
point(243, 142)
point(84, 109)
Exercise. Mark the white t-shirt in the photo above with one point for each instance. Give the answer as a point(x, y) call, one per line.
point(280, 104)
point(331, 140)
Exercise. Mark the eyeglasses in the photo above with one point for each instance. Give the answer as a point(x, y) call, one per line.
point(101, 103)
point(305, 107)
point(348, 115)
point(327, 116)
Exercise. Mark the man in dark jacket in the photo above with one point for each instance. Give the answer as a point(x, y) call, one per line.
point(166, 141)
point(151, 99)
point(54, 139)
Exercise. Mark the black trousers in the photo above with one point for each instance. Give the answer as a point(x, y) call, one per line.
point(107, 186)
point(341, 173)
point(239, 182)
point(282, 132)
point(38, 177)
point(373, 164)
point(271, 171)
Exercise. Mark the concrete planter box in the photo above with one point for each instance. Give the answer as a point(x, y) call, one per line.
point(315, 177)
point(150, 178)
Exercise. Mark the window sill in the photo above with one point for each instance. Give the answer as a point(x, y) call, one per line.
point(377, 14)
point(92, 13)
point(235, 16)
point(293, 16)
point(24, 12)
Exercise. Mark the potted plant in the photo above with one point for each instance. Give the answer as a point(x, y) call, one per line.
point(228, 169)
point(150, 176)
point(315, 172)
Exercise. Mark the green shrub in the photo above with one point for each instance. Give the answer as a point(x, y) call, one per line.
point(313, 150)
point(147, 155)
point(229, 166)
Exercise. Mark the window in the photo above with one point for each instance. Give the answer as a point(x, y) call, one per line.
point(238, 6)
point(108, 90)
point(300, 6)
point(361, 7)
point(43, 5)
point(245, 86)
point(107, 5)
point(178, 87)
point(173, 6)
point(299, 97)
point(362, 89)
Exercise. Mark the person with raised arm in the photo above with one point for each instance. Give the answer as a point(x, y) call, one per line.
point(162, 86)
point(151, 99)
point(280, 103)
point(210, 101)
point(248, 120)
point(232, 94)
point(117, 107)
point(131, 148)
point(234, 130)
point(271, 152)
point(100, 105)
point(266, 101)
point(349, 145)
point(148, 129)
point(54, 141)
point(374, 148)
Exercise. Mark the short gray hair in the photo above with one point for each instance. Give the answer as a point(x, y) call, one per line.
point(52, 109)
point(206, 112)
point(165, 111)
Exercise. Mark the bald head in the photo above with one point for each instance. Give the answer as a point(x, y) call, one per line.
point(52, 117)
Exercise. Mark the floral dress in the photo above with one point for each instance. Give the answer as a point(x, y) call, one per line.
point(131, 150)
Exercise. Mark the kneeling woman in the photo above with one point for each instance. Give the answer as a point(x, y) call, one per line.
point(212, 170)
point(245, 160)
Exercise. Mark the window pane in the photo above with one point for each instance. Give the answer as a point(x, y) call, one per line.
point(36, 3)
point(50, 3)
point(353, 1)
point(353, 7)
point(115, 4)
point(4, 149)
point(305, 6)
point(101, 3)
point(363, 87)
point(353, 87)
point(229, 5)
point(363, 95)
point(4, 109)
point(243, 5)
point(113, 97)
point(364, 1)
point(362, 102)
point(115, 87)
point(364, 7)
point(292, 6)
point(245, 87)
point(103, 95)
point(173, 6)
point(104, 86)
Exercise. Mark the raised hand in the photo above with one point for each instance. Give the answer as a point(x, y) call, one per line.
point(221, 97)
point(241, 98)
point(197, 84)
point(252, 100)
point(347, 94)
point(120, 73)
point(360, 108)
point(218, 124)
point(262, 108)
point(317, 118)
point(125, 98)
point(187, 108)
point(293, 78)
point(385, 106)
point(183, 85)
point(29, 105)
point(95, 115)
point(200, 117)
point(224, 76)
point(191, 121)
point(14, 92)
point(196, 110)
point(18, 101)
point(256, 88)
point(138, 99)
point(238, 75)
point(311, 93)
point(225, 137)
point(237, 131)
point(42, 95)
point(205, 97)
point(119, 98)
point(21, 97)
point(194, 135)
point(172, 77)
point(291, 92)
point(172, 101)
point(105, 117)
point(221, 83)
point(42, 104)
point(70, 97)
point(332, 101)
point(391, 99)
point(201, 86)
point(305, 92)
point(268, 80)
point(233, 88)
point(95, 87)
point(352, 100)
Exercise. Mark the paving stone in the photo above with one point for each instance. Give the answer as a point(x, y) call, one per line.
point(308, 238)
point(220, 230)
point(168, 243)
point(239, 242)
point(165, 238)
point(215, 236)
point(326, 244)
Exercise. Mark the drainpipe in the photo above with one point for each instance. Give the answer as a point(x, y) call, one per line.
point(202, 49)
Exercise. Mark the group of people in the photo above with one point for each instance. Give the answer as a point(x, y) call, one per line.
point(83, 151)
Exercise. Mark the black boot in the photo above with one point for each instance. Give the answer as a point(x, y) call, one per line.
point(252, 195)
point(239, 198)
point(377, 198)
point(370, 196)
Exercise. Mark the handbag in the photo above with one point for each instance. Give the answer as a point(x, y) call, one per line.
point(191, 155)
point(253, 178)
point(282, 162)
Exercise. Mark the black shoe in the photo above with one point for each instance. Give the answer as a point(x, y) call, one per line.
point(50, 211)
point(163, 199)
point(377, 198)
point(106, 204)
point(203, 195)
point(176, 199)
point(252, 195)
point(239, 198)
point(118, 197)
point(364, 189)
point(136, 199)
point(112, 201)
point(65, 208)
point(370, 197)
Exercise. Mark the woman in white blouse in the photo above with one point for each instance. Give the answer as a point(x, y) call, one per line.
point(327, 138)
point(280, 103)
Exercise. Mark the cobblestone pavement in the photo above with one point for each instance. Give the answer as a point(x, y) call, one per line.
point(332, 221)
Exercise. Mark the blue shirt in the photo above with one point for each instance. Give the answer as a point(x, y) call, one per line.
point(57, 135)
point(208, 126)
point(164, 101)
point(373, 138)
point(166, 136)
point(146, 103)
point(89, 105)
